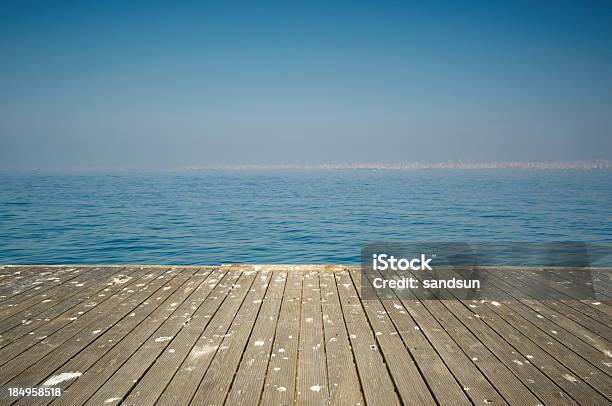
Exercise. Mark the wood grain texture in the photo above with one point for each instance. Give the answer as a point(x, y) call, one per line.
point(284, 335)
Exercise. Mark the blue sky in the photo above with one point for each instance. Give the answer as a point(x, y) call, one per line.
point(150, 85)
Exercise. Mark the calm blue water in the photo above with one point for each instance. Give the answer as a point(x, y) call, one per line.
point(297, 217)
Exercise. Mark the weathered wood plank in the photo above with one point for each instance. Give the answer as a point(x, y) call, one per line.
point(198, 307)
point(37, 282)
point(578, 338)
point(185, 382)
point(464, 368)
point(122, 382)
point(279, 385)
point(63, 281)
point(218, 378)
point(572, 295)
point(249, 380)
point(90, 331)
point(50, 310)
point(547, 358)
point(59, 361)
point(344, 386)
point(19, 278)
point(378, 387)
point(151, 312)
point(405, 374)
point(514, 388)
point(41, 327)
point(539, 371)
point(46, 302)
point(298, 335)
point(581, 313)
point(599, 280)
point(312, 386)
point(448, 371)
point(26, 353)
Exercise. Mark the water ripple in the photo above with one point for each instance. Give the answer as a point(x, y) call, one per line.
point(298, 217)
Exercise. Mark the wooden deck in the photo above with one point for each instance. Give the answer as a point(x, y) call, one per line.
point(245, 335)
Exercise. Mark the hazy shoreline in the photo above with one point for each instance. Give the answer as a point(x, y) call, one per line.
point(594, 165)
point(410, 166)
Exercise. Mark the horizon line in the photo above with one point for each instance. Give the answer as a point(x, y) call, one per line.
point(582, 165)
point(597, 164)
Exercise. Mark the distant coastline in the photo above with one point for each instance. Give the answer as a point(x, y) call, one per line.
point(411, 166)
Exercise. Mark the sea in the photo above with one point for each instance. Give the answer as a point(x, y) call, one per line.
point(217, 217)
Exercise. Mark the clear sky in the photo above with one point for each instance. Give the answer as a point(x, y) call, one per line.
point(150, 85)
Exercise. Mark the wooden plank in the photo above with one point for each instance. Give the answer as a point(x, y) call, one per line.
point(200, 305)
point(21, 279)
point(122, 382)
point(574, 295)
point(187, 378)
point(312, 387)
point(525, 353)
point(573, 377)
point(44, 303)
point(152, 384)
point(6, 269)
point(483, 345)
point(90, 345)
point(38, 283)
point(45, 333)
point(583, 294)
point(98, 318)
point(558, 288)
point(447, 370)
point(53, 311)
point(344, 386)
point(218, 378)
point(149, 312)
point(404, 372)
point(576, 310)
point(42, 288)
point(91, 331)
point(567, 364)
point(264, 340)
point(18, 279)
point(378, 387)
point(248, 383)
point(578, 338)
point(464, 368)
point(600, 279)
point(279, 386)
